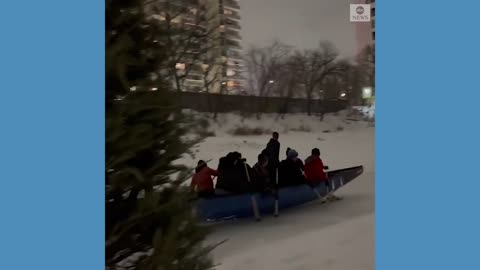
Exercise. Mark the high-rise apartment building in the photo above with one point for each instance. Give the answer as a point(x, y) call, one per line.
point(219, 66)
point(227, 49)
point(365, 31)
point(372, 15)
point(231, 39)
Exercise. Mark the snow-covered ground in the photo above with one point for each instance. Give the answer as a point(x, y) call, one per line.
point(337, 236)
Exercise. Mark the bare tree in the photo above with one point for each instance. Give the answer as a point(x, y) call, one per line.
point(315, 66)
point(212, 70)
point(366, 64)
point(186, 28)
point(264, 65)
point(289, 83)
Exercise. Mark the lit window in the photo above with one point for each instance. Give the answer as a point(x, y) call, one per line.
point(230, 83)
point(180, 66)
point(230, 72)
point(222, 28)
point(160, 17)
point(227, 11)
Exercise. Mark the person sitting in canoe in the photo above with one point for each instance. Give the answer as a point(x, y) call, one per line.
point(314, 169)
point(298, 161)
point(232, 177)
point(202, 180)
point(290, 171)
point(261, 176)
point(315, 172)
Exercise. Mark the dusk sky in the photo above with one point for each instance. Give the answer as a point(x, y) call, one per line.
point(302, 23)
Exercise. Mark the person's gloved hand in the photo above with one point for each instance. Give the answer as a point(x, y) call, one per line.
point(325, 167)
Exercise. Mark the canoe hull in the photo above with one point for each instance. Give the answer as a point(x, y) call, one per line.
point(240, 206)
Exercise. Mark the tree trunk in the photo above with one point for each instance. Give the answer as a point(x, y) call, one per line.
point(309, 103)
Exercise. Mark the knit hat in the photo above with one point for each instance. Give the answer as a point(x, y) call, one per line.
point(292, 154)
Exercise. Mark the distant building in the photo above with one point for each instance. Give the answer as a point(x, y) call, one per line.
point(372, 15)
point(365, 35)
point(213, 63)
point(365, 31)
point(229, 46)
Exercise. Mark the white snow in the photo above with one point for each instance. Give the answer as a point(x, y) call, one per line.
point(367, 111)
point(336, 236)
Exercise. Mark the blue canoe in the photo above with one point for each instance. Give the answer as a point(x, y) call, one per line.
point(240, 206)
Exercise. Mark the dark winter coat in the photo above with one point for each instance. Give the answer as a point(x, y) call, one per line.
point(300, 164)
point(261, 178)
point(290, 173)
point(273, 150)
point(232, 176)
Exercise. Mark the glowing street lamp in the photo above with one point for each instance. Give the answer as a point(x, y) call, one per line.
point(367, 92)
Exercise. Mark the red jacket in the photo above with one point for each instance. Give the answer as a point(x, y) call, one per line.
point(314, 172)
point(203, 180)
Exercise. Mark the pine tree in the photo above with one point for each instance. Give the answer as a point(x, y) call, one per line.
point(149, 219)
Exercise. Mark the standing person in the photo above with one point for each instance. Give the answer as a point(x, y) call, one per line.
point(315, 172)
point(273, 151)
point(202, 180)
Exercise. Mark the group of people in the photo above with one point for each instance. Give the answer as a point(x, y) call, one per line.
point(235, 176)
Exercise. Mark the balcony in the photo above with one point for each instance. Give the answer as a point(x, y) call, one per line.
point(235, 65)
point(231, 4)
point(194, 79)
point(231, 44)
point(232, 35)
point(232, 54)
point(235, 76)
point(231, 14)
point(232, 24)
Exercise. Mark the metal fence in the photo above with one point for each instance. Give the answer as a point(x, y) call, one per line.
point(229, 103)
